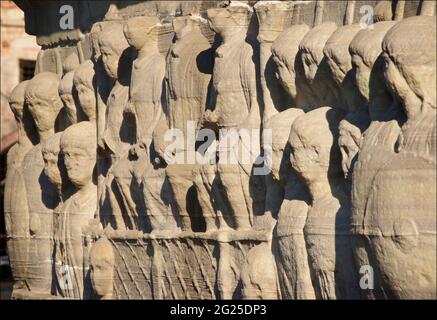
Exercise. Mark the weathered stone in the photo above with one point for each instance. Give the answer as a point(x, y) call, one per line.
point(225, 150)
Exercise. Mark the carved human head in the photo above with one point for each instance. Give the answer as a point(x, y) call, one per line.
point(70, 63)
point(312, 46)
point(313, 141)
point(272, 17)
point(102, 263)
point(68, 96)
point(383, 11)
point(43, 100)
point(284, 51)
point(228, 17)
point(259, 275)
point(337, 51)
point(179, 23)
point(410, 63)
point(365, 48)
point(78, 146)
point(350, 135)
point(280, 125)
point(138, 30)
point(184, 24)
point(84, 83)
point(112, 44)
point(17, 100)
point(50, 149)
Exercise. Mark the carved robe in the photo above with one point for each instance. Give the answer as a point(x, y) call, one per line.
point(42, 198)
point(70, 219)
point(17, 212)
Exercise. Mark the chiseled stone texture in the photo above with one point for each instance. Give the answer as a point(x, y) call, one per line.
point(329, 129)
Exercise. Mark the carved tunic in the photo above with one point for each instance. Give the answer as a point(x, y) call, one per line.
point(234, 82)
point(187, 82)
point(70, 218)
point(330, 250)
point(115, 136)
point(402, 227)
point(378, 145)
point(42, 198)
point(16, 212)
point(146, 92)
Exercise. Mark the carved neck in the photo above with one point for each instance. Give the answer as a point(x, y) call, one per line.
point(44, 135)
point(319, 187)
point(185, 31)
point(380, 100)
point(86, 188)
point(149, 48)
point(23, 139)
point(232, 34)
point(350, 94)
point(325, 186)
point(418, 121)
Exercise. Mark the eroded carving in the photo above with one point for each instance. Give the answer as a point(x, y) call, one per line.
point(304, 154)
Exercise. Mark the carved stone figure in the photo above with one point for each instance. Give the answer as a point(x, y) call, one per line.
point(225, 149)
point(44, 105)
point(69, 98)
point(78, 147)
point(279, 125)
point(146, 107)
point(286, 56)
point(285, 201)
point(400, 214)
point(190, 62)
point(15, 199)
point(290, 201)
point(259, 274)
point(324, 91)
point(70, 63)
point(236, 107)
point(272, 16)
point(377, 143)
point(316, 158)
point(336, 51)
point(54, 167)
point(85, 86)
point(102, 263)
point(357, 120)
point(115, 56)
point(116, 138)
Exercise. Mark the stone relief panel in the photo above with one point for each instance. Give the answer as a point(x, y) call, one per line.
point(227, 150)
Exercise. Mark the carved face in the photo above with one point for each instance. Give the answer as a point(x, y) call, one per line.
point(349, 146)
point(51, 167)
point(110, 60)
point(286, 77)
point(278, 166)
point(17, 109)
point(310, 66)
point(398, 84)
point(135, 36)
point(309, 158)
point(70, 106)
point(79, 164)
point(179, 23)
point(362, 75)
point(220, 19)
point(102, 268)
point(44, 113)
point(87, 100)
point(339, 67)
point(102, 274)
